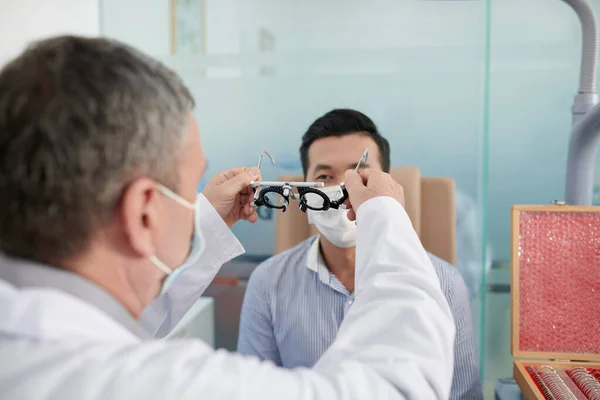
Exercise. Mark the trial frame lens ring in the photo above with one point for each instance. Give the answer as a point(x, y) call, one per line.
point(304, 204)
point(263, 200)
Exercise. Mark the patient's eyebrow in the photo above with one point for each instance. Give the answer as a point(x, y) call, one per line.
point(322, 167)
point(363, 165)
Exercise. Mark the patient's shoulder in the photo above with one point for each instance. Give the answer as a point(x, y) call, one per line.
point(281, 265)
point(451, 281)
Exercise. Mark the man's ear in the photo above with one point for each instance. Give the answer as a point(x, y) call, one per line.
point(140, 215)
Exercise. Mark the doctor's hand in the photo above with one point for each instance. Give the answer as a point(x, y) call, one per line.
point(367, 184)
point(230, 194)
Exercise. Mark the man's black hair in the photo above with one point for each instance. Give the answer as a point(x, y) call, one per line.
point(342, 122)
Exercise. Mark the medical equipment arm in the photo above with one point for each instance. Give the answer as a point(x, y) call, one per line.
point(586, 97)
point(583, 146)
point(585, 137)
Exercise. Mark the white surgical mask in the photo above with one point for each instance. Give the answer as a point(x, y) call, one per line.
point(196, 247)
point(333, 224)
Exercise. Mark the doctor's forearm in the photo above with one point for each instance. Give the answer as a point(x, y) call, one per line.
point(396, 342)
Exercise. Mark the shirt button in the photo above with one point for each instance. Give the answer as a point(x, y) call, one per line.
point(349, 302)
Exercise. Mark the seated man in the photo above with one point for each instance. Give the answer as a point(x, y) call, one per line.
point(296, 300)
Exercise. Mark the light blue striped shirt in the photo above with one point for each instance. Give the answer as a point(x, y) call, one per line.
point(294, 306)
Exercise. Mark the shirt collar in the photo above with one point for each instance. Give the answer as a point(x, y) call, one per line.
point(25, 274)
point(316, 263)
point(314, 253)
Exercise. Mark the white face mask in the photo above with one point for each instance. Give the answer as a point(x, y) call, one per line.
point(196, 247)
point(333, 224)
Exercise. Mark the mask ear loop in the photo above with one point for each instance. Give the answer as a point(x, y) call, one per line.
point(175, 197)
point(180, 200)
point(160, 265)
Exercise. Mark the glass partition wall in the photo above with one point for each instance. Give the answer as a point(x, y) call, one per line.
point(478, 91)
point(535, 61)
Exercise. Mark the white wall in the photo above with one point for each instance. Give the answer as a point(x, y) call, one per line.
point(415, 67)
point(143, 24)
point(22, 21)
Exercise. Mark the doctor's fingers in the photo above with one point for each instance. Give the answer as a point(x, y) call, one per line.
point(354, 181)
point(369, 183)
point(229, 174)
point(374, 178)
point(247, 191)
point(224, 176)
point(357, 191)
point(246, 199)
point(248, 213)
point(381, 183)
point(238, 181)
point(351, 215)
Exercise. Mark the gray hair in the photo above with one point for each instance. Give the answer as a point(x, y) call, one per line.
point(80, 118)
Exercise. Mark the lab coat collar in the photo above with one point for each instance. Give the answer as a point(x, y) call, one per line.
point(26, 275)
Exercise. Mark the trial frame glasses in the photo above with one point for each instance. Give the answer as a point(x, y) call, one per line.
point(277, 194)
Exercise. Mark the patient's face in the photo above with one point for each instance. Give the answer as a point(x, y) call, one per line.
point(329, 158)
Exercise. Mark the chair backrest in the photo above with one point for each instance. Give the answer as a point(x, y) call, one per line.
point(430, 204)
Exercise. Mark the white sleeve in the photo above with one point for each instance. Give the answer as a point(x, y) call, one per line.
point(396, 342)
point(400, 330)
point(220, 246)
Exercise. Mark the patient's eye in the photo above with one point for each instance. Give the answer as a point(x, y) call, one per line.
point(324, 178)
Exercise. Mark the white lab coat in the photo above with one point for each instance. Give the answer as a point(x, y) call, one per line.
point(396, 342)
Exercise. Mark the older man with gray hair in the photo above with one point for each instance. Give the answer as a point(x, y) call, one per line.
point(105, 245)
